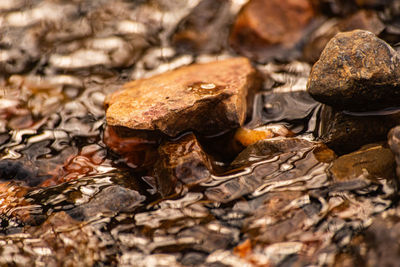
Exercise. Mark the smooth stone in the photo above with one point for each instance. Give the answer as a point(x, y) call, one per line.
point(356, 71)
point(205, 29)
point(208, 98)
point(113, 199)
point(374, 161)
point(181, 162)
point(363, 20)
point(347, 132)
point(267, 29)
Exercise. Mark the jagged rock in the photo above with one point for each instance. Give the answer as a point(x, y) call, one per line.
point(181, 162)
point(207, 98)
point(356, 71)
point(372, 160)
point(265, 27)
point(363, 19)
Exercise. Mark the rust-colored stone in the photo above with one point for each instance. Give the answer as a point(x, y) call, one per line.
point(207, 98)
point(264, 27)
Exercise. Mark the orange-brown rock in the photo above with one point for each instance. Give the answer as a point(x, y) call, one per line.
point(265, 27)
point(207, 98)
point(181, 162)
point(247, 137)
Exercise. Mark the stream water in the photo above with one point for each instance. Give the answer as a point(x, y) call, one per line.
point(67, 200)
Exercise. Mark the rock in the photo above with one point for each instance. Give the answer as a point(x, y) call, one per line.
point(138, 148)
point(208, 98)
point(265, 27)
point(248, 137)
point(181, 162)
point(363, 19)
point(374, 160)
point(346, 132)
point(356, 71)
point(113, 199)
point(394, 144)
point(205, 29)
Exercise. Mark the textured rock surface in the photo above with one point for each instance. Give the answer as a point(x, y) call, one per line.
point(266, 26)
point(356, 71)
point(181, 162)
point(208, 98)
point(372, 160)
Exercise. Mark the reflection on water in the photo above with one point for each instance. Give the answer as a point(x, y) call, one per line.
point(66, 199)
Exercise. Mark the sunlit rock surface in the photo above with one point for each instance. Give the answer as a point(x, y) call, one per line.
point(207, 98)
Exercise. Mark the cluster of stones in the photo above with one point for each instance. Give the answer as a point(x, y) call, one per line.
point(356, 72)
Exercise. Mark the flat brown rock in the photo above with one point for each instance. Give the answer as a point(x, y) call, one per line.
point(207, 98)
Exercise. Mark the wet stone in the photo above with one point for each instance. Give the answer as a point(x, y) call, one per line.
point(267, 29)
point(246, 136)
point(208, 98)
point(113, 199)
point(373, 161)
point(204, 29)
point(356, 71)
point(181, 162)
point(364, 20)
point(346, 131)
